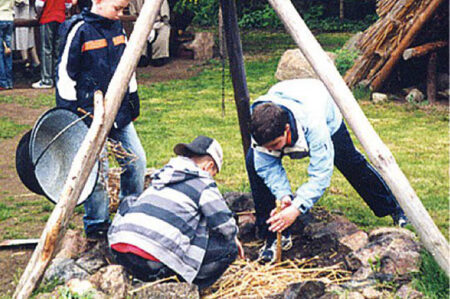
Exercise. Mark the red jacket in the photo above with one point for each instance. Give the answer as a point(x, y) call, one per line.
point(53, 10)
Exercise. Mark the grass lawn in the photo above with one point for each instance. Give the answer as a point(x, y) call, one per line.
point(177, 111)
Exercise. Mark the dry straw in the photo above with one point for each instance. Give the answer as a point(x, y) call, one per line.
point(245, 279)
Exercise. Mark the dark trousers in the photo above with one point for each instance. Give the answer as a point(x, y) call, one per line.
point(220, 253)
point(350, 162)
point(50, 40)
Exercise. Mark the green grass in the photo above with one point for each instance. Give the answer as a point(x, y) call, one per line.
point(42, 100)
point(9, 129)
point(431, 281)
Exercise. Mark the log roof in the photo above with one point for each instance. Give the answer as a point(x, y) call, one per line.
point(401, 24)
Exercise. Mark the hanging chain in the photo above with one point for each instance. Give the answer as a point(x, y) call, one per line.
point(223, 58)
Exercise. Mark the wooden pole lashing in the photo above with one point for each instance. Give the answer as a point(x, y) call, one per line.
point(376, 150)
point(89, 151)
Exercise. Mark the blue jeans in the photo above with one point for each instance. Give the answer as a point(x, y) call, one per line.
point(131, 180)
point(50, 40)
point(6, 71)
point(350, 162)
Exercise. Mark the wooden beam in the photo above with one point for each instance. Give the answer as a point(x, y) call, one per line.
point(386, 70)
point(89, 151)
point(377, 152)
point(423, 49)
point(431, 78)
point(18, 243)
point(237, 69)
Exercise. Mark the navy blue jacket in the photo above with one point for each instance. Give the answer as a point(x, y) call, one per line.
point(91, 49)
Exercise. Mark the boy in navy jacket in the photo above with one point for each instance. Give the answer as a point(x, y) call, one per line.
point(93, 44)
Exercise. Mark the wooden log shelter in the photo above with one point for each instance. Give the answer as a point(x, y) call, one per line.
point(408, 29)
point(106, 110)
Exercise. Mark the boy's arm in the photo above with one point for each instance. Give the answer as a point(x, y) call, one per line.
point(68, 67)
point(39, 6)
point(270, 169)
point(218, 215)
point(320, 168)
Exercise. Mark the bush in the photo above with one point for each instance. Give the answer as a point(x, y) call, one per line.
point(345, 60)
point(260, 19)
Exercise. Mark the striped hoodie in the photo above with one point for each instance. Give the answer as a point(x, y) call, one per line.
point(172, 219)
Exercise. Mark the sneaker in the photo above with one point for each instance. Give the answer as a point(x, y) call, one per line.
point(400, 218)
point(41, 85)
point(267, 252)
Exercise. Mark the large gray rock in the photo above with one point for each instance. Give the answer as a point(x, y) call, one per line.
point(407, 292)
point(293, 65)
point(305, 290)
point(84, 287)
point(171, 290)
point(112, 280)
point(92, 261)
point(391, 252)
point(64, 269)
point(71, 245)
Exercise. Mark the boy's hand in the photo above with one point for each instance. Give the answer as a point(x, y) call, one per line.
point(240, 248)
point(286, 201)
point(284, 219)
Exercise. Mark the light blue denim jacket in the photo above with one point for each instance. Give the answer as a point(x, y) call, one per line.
point(317, 119)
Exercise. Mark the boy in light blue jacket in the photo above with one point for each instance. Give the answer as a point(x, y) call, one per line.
point(299, 118)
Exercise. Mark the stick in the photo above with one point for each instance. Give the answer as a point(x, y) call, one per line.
point(278, 259)
point(423, 49)
point(105, 113)
point(18, 242)
point(376, 150)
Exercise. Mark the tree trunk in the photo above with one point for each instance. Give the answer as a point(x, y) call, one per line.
point(341, 10)
point(88, 153)
point(378, 153)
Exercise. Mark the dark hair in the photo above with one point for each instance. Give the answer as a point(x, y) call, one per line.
point(268, 122)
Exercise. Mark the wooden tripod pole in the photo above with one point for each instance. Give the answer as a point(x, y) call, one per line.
point(377, 152)
point(89, 151)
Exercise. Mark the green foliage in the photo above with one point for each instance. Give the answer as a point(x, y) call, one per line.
point(261, 19)
point(334, 24)
point(361, 93)
point(65, 293)
point(47, 286)
point(345, 60)
point(431, 280)
point(258, 15)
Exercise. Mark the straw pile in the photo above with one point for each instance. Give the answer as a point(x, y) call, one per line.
point(244, 279)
